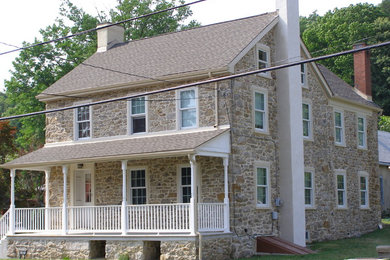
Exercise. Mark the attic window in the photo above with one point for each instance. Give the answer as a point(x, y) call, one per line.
point(262, 58)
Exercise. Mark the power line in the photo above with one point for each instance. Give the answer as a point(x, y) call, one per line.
point(202, 82)
point(102, 27)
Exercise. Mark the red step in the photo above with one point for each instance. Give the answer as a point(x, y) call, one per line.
point(276, 245)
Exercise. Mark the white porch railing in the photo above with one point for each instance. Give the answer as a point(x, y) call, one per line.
point(95, 218)
point(158, 218)
point(149, 218)
point(4, 225)
point(211, 216)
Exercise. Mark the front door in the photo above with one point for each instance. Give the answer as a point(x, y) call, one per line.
point(83, 188)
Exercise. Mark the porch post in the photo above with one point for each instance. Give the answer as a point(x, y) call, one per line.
point(47, 200)
point(124, 198)
point(12, 206)
point(226, 199)
point(193, 208)
point(65, 202)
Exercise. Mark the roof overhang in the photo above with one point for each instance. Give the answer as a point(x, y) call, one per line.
point(206, 142)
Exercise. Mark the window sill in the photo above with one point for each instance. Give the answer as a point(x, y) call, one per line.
point(266, 207)
point(363, 148)
point(364, 208)
point(310, 208)
point(310, 139)
point(266, 75)
point(261, 132)
point(305, 86)
point(342, 208)
point(340, 145)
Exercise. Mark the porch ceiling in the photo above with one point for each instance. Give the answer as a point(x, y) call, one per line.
point(118, 149)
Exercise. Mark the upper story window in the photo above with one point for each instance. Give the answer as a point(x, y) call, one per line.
point(263, 58)
point(138, 186)
point(188, 111)
point(363, 181)
point(307, 122)
point(185, 184)
point(83, 122)
point(309, 189)
point(303, 75)
point(361, 132)
point(341, 189)
point(260, 108)
point(339, 127)
point(262, 186)
point(137, 115)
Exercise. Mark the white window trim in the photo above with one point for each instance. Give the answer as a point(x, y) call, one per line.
point(304, 84)
point(267, 166)
point(310, 137)
point(312, 205)
point(179, 186)
point(342, 143)
point(267, 50)
point(178, 114)
point(129, 117)
point(75, 124)
point(364, 146)
point(263, 91)
point(366, 175)
point(344, 174)
point(128, 180)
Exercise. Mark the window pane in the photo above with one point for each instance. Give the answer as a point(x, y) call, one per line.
point(84, 129)
point(308, 180)
point(261, 176)
point(259, 120)
point(308, 196)
point(187, 99)
point(186, 176)
point(186, 194)
point(363, 198)
point(139, 196)
point(83, 113)
point(305, 111)
point(337, 119)
point(340, 182)
point(263, 56)
point(360, 124)
point(139, 124)
point(363, 183)
point(188, 118)
point(261, 195)
point(338, 135)
point(259, 101)
point(340, 197)
point(138, 105)
point(306, 128)
point(361, 139)
point(88, 186)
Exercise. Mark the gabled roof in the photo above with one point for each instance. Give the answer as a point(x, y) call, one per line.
point(384, 147)
point(196, 50)
point(341, 89)
point(120, 149)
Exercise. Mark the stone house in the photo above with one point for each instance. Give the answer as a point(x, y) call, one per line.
point(200, 171)
point(384, 170)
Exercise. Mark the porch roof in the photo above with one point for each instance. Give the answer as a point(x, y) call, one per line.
point(168, 144)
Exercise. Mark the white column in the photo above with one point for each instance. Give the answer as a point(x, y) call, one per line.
point(289, 92)
point(124, 198)
point(65, 202)
point(193, 208)
point(12, 206)
point(47, 200)
point(226, 219)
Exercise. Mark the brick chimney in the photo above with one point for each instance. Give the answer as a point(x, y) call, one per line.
point(362, 72)
point(109, 36)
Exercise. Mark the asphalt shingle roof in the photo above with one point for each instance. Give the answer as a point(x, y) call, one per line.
point(384, 147)
point(199, 49)
point(118, 149)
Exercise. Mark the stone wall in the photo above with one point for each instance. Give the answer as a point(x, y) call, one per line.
point(134, 249)
point(179, 250)
point(216, 248)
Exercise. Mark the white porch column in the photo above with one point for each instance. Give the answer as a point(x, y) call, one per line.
point(193, 208)
point(12, 206)
point(65, 202)
point(226, 219)
point(47, 200)
point(124, 198)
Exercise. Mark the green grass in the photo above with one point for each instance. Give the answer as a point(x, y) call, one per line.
point(364, 246)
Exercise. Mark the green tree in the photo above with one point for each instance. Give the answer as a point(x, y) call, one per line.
point(3, 105)
point(339, 29)
point(384, 123)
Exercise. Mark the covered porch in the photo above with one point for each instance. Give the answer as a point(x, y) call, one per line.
point(158, 208)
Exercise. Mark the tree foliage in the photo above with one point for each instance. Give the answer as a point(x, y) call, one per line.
point(340, 29)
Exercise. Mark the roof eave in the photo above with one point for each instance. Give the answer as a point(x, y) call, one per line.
point(351, 102)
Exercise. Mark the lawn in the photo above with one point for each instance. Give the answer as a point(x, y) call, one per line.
point(364, 246)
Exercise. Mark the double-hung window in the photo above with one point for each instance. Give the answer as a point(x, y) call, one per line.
point(303, 75)
point(341, 189)
point(185, 184)
point(363, 182)
point(138, 186)
point(263, 58)
point(137, 115)
point(260, 110)
point(309, 190)
point(83, 122)
point(361, 132)
point(262, 186)
point(187, 108)
point(339, 127)
point(306, 117)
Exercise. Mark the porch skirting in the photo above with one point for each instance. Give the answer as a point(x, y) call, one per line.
point(213, 246)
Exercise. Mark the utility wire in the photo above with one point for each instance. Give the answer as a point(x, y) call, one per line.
point(201, 82)
point(102, 27)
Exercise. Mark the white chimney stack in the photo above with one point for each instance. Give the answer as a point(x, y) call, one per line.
point(109, 36)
